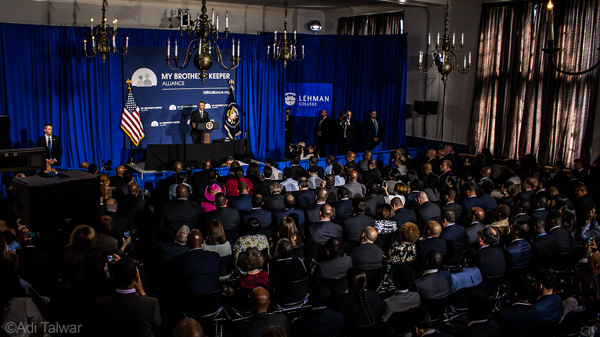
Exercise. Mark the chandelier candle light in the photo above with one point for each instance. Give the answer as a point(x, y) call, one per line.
point(284, 49)
point(102, 37)
point(445, 59)
point(552, 51)
point(200, 49)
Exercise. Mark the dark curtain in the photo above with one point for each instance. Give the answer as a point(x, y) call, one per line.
point(521, 105)
point(368, 73)
point(45, 78)
point(376, 24)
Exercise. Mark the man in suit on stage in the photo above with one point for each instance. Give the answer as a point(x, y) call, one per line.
point(374, 132)
point(325, 131)
point(198, 116)
point(51, 144)
point(346, 132)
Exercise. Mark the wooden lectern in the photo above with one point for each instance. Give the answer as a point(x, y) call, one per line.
point(207, 128)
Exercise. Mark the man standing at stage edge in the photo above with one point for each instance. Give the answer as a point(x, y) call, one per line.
point(374, 132)
point(198, 116)
point(51, 144)
point(325, 131)
point(346, 128)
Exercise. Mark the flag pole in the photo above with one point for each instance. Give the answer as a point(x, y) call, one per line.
point(130, 142)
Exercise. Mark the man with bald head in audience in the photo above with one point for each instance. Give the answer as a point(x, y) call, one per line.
point(132, 204)
point(261, 319)
point(195, 271)
point(117, 181)
point(431, 179)
point(180, 212)
point(426, 211)
point(475, 224)
point(432, 240)
point(188, 327)
point(356, 189)
point(321, 231)
point(367, 255)
point(493, 263)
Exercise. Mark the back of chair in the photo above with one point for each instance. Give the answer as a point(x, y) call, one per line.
point(491, 286)
point(226, 265)
point(460, 299)
point(436, 308)
point(202, 306)
point(232, 234)
point(363, 330)
point(291, 293)
point(374, 277)
point(337, 286)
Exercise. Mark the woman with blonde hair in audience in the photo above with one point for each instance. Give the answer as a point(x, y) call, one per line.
point(106, 191)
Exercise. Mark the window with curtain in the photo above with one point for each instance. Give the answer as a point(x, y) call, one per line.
point(521, 105)
point(376, 24)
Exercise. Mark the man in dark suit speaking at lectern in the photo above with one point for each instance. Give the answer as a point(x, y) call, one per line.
point(51, 144)
point(198, 116)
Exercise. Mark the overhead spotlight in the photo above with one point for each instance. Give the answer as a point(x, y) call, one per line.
point(314, 26)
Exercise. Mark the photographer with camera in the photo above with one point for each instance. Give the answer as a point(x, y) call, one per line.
point(345, 132)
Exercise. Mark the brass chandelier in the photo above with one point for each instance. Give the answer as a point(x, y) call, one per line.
point(200, 49)
point(101, 37)
point(445, 59)
point(284, 49)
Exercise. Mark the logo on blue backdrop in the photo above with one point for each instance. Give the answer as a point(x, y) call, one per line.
point(144, 77)
point(290, 98)
point(307, 99)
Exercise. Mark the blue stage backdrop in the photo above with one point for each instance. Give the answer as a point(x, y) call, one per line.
point(44, 77)
point(167, 97)
point(307, 99)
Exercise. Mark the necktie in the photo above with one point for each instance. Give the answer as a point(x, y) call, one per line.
point(375, 123)
point(49, 146)
point(321, 124)
point(345, 128)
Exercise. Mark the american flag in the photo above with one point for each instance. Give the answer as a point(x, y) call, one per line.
point(131, 121)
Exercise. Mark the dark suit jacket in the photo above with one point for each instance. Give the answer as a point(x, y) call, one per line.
point(321, 231)
point(434, 286)
point(429, 244)
point(540, 214)
point(172, 250)
point(518, 320)
point(322, 322)
point(563, 241)
point(265, 217)
point(526, 195)
point(471, 202)
point(371, 144)
point(354, 225)
point(229, 217)
point(404, 215)
point(196, 272)
point(305, 199)
point(125, 315)
point(121, 223)
point(427, 212)
point(367, 256)
point(243, 202)
point(327, 128)
point(349, 132)
point(372, 202)
point(454, 207)
point(259, 323)
point(455, 236)
point(296, 214)
point(274, 202)
point(179, 213)
point(519, 254)
point(299, 172)
point(343, 209)
point(313, 212)
point(488, 202)
point(543, 251)
point(196, 118)
point(372, 175)
point(57, 149)
point(263, 188)
point(132, 207)
point(473, 232)
point(492, 262)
